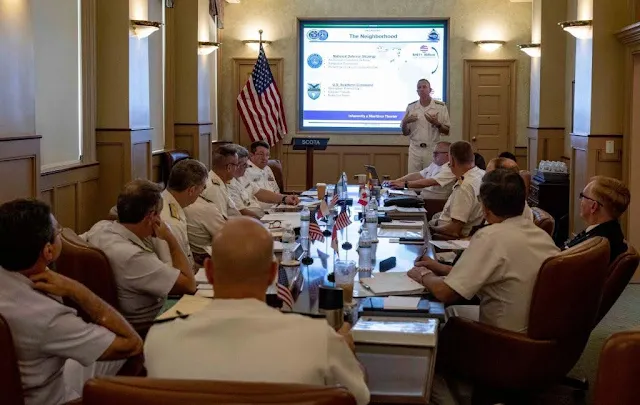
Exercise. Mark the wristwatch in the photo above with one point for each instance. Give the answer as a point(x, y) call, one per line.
point(284, 197)
point(406, 184)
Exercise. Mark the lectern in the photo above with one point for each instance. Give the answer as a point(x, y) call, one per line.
point(309, 144)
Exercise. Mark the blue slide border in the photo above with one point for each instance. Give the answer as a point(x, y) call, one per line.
point(302, 24)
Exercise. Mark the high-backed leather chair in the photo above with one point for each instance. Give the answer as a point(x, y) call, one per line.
point(619, 275)
point(88, 265)
point(433, 206)
point(276, 168)
point(169, 159)
point(618, 370)
point(502, 365)
point(526, 176)
point(147, 391)
point(543, 220)
point(10, 381)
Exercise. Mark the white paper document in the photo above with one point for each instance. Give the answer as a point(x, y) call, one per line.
point(188, 304)
point(450, 244)
point(392, 283)
point(397, 223)
point(309, 193)
point(446, 257)
point(401, 302)
point(396, 331)
point(201, 277)
point(277, 246)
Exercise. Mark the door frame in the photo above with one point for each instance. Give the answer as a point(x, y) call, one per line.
point(278, 75)
point(466, 97)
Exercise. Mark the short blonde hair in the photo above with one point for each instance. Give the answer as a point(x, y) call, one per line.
point(612, 194)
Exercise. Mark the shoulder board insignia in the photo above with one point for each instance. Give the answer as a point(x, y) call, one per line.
point(247, 185)
point(173, 210)
point(215, 183)
point(413, 102)
point(206, 199)
point(439, 102)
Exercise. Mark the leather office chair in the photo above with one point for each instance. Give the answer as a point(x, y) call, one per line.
point(433, 206)
point(11, 386)
point(619, 275)
point(507, 366)
point(526, 176)
point(147, 391)
point(543, 220)
point(88, 265)
point(169, 159)
point(276, 168)
point(618, 370)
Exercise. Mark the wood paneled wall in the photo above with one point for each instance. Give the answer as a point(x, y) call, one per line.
point(329, 164)
point(73, 194)
point(20, 167)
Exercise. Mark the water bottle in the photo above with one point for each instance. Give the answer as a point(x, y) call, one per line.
point(364, 253)
point(371, 219)
point(338, 190)
point(288, 243)
point(305, 215)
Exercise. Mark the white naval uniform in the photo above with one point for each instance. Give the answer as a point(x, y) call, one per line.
point(47, 336)
point(143, 280)
point(242, 194)
point(173, 214)
point(502, 274)
point(463, 204)
point(218, 193)
point(263, 179)
point(204, 220)
point(445, 178)
point(246, 340)
point(423, 133)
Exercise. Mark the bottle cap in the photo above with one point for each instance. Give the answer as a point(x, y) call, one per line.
point(329, 298)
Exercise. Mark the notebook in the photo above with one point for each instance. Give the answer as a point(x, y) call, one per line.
point(391, 283)
point(396, 331)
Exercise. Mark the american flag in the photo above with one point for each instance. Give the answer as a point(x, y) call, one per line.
point(334, 200)
point(315, 233)
point(216, 9)
point(282, 289)
point(260, 104)
point(343, 220)
point(334, 239)
point(364, 196)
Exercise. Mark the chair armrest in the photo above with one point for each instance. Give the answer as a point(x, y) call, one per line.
point(433, 206)
point(493, 357)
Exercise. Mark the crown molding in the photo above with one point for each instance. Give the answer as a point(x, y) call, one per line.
point(629, 35)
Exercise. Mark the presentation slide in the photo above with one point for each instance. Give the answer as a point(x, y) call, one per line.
point(359, 76)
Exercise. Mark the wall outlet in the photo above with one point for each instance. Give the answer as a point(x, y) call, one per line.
point(609, 148)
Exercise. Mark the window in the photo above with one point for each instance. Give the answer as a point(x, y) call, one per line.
point(157, 43)
point(58, 78)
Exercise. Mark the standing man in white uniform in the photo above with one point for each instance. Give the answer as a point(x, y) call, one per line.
point(238, 337)
point(48, 336)
point(187, 180)
point(424, 121)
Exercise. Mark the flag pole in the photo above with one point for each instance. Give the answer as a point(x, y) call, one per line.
point(260, 32)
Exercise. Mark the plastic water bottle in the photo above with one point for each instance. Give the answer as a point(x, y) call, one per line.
point(288, 243)
point(338, 189)
point(305, 216)
point(371, 219)
point(364, 253)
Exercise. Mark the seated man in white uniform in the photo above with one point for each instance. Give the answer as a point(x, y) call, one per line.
point(188, 178)
point(142, 279)
point(500, 266)
point(48, 336)
point(435, 180)
point(204, 220)
point(223, 165)
point(463, 210)
point(238, 337)
point(258, 169)
point(248, 196)
point(506, 163)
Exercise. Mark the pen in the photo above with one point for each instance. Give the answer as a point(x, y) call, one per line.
point(366, 287)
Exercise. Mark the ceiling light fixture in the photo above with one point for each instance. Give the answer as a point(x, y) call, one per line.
point(205, 48)
point(490, 45)
point(142, 29)
point(581, 29)
point(532, 50)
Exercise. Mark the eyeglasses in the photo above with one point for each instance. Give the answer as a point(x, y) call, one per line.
point(263, 155)
point(274, 224)
point(435, 152)
point(584, 197)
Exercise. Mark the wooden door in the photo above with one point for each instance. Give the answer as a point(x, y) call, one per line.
point(489, 99)
point(242, 69)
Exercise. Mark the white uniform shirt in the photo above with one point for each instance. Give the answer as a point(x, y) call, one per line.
point(204, 220)
point(263, 177)
point(445, 178)
point(501, 266)
point(527, 213)
point(246, 340)
point(173, 214)
point(242, 194)
point(46, 334)
point(218, 193)
point(421, 131)
point(463, 203)
point(142, 279)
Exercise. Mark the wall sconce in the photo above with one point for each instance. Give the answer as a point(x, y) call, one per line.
point(255, 43)
point(205, 48)
point(489, 46)
point(142, 29)
point(532, 50)
point(581, 29)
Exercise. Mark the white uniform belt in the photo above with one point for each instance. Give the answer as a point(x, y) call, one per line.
point(420, 144)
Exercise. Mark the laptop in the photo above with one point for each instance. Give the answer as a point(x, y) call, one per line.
point(373, 172)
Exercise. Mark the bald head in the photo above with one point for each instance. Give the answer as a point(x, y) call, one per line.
point(502, 163)
point(242, 256)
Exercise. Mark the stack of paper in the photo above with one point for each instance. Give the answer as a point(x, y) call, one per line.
point(450, 244)
point(409, 193)
point(402, 224)
point(391, 283)
point(409, 303)
point(396, 331)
